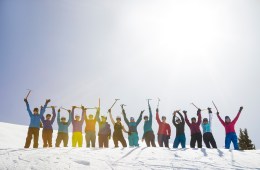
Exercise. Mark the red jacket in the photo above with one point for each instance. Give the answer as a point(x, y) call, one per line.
point(164, 128)
point(229, 127)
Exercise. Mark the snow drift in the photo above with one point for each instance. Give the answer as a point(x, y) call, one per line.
point(13, 156)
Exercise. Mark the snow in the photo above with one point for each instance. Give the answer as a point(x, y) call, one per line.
point(14, 156)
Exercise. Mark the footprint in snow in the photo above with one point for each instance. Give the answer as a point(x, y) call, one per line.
point(86, 163)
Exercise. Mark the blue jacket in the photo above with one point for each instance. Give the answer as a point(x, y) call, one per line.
point(47, 124)
point(148, 124)
point(35, 119)
point(132, 125)
point(207, 127)
point(63, 127)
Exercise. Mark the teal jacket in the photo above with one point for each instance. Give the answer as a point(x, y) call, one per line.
point(207, 127)
point(63, 127)
point(132, 125)
point(35, 119)
point(148, 124)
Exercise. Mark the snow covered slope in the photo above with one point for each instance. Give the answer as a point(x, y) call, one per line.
point(13, 156)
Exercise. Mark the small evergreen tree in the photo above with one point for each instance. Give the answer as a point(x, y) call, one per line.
point(244, 142)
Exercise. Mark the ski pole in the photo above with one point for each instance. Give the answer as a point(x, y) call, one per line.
point(113, 104)
point(194, 105)
point(28, 93)
point(215, 106)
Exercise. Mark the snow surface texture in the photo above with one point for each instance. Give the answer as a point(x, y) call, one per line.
point(13, 156)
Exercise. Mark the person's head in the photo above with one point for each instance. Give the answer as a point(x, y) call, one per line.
point(163, 119)
point(227, 119)
point(77, 117)
point(63, 119)
point(103, 118)
point(132, 119)
point(193, 120)
point(90, 117)
point(118, 119)
point(48, 117)
point(145, 118)
point(205, 121)
point(178, 121)
point(35, 111)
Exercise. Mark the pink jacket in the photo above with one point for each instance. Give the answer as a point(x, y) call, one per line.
point(230, 127)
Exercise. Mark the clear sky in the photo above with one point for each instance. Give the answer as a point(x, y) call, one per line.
point(74, 52)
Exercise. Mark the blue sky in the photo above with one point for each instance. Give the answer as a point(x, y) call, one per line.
point(181, 51)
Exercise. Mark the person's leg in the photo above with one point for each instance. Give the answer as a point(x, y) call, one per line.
point(183, 141)
point(49, 139)
point(234, 141)
point(136, 139)
point(115, 139)
point(58, 140)
point(35, 137)
point(80, 139)
point(93, 141)
point(199, 140)
point(74, 139)
point(66, 139)
point(130, 140)
point(45, 138)
point(105, 141)
point(87, 139)
point(166, 141)
point(212, 141)
point(152, 139)
point(100, 141)
point(28, 138)
point(122, 141)
point(192, 141)
point(147, 140)
point(228, 141)
point(206, 139)
point(176, 142)
point(160, 140)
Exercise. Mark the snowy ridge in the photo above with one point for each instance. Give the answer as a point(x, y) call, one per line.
point(13, 156)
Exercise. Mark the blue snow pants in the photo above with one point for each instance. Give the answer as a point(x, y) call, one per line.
point(231, 137)
point(179, 139)
point(133, 139)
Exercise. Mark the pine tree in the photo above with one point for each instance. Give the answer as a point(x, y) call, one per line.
point(244, 142)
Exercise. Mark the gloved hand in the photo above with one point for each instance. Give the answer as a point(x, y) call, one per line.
point(48, 100)
point(240, 109)
point(142, 112)
point(73, 107)
point(184, 111)
point(209, 109)
point(59, 110)
point(82, 107)
point(25, 100)
point(217, 113)
point(157, 110)
point(199, 110)
point(109, 110)
point(69, 111)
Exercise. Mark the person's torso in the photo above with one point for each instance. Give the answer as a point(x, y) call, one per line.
point(77, 126)
point(194, 128)
point(63, 127)
point(206, 128)
point(132, 127)
point(90, 125)
point(230, 127)
point(180, 129)
point(104, 128)
point(47, 124)
point(118, 127)
point(147, 126)
point(163, 129)
point(35, 121)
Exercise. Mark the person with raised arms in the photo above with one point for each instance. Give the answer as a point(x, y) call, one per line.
point(34, 127)
point(118, 130)
point(47, 128)
point(132, 125)
point(90, 129)
point(104, 133)
point(63, 132)
point(180, 137)
point(229, 126)
point(164, 131)
point(77, 123)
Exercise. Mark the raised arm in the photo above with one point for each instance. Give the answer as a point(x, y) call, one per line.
point(157, 117)
point(111, 118)
point(182, 118)
point(199, 116)
point(44, 107)
point(72, 114)
point(98, 115)
point(125, 118)
point(150, 114)
point(220, 119)
point(237, 116)
point(186, 118)
point(173, 118)
point(70, 118)
point(140, 118)
point(53, 115)
point(58, 117)
point(28, 107)
point(82, 115)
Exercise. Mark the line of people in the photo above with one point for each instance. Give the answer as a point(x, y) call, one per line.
point(104, 133)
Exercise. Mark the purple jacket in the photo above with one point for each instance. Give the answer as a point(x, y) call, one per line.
point(77, 125)
point(47, 124)
point(194, 127)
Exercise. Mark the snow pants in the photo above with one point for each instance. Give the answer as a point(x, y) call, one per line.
point(47, 137)
point(179, 139)
point(231, 137)
point(163, 140)
point(77, 139)
point(209, 140)
point(119, 138)
point(62, 137)
point(197, 137)
point(90, 138)
point(149, 139)
point(133, 139)
point(103, 141)
point(32, 133)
